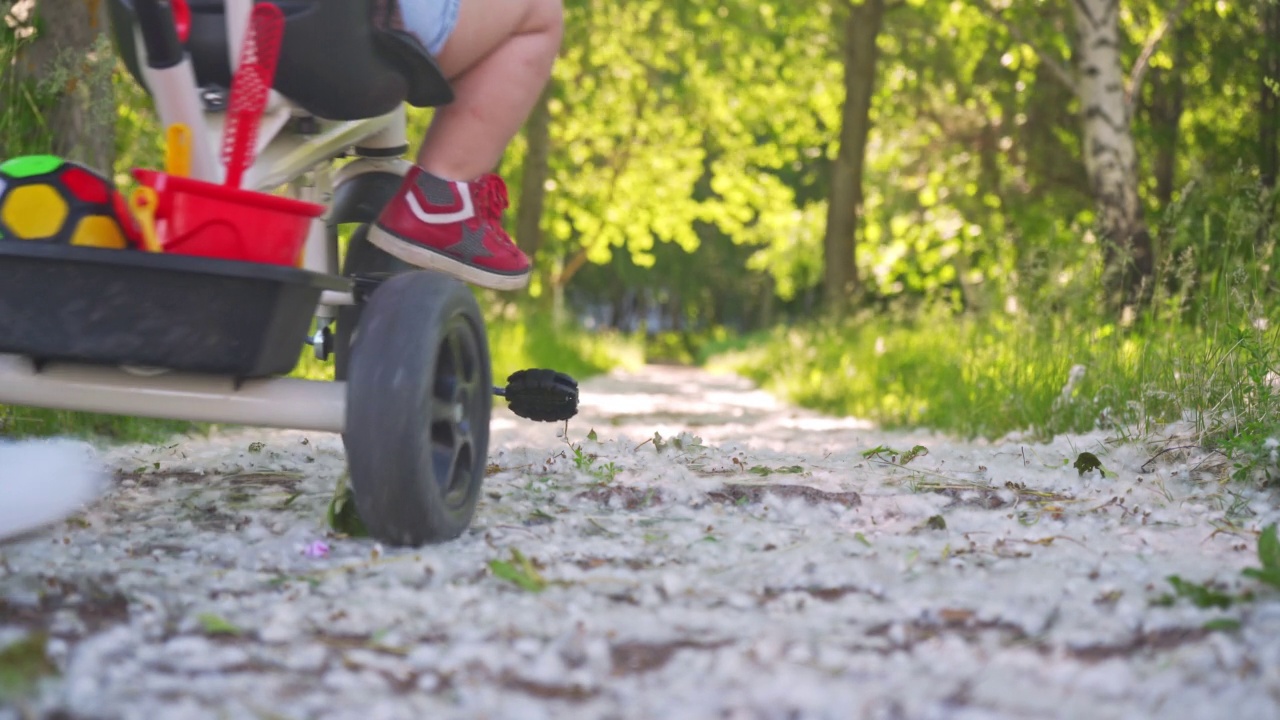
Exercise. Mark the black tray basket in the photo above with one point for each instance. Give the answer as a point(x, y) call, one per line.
point(128, 307)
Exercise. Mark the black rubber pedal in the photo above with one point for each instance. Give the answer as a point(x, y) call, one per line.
point(542, 395)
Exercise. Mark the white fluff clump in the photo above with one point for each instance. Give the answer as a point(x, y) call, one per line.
point(42, 481)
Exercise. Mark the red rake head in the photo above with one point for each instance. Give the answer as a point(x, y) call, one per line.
point(250, 88)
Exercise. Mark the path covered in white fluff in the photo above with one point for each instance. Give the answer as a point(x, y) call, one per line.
point(753, 562)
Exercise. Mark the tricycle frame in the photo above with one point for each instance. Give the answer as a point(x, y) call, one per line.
point(297, 153)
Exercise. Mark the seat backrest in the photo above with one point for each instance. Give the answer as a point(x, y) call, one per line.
point(333, 62)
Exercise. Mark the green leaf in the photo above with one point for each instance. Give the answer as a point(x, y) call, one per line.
point(520, 571)
point(1269, 548)
point(912, 454)
point(763, 471)
point(1269, 556)
point(592, 435)
point(878, 450)
point(1270, 576)
point(862, 539)
point(22, 665)
point(898, 457)
point(215, 625)
point(540, 517)
point(937, 522)
point(1222, 625)
point(1201, 595)
point(1087, 461)
point(342, 515)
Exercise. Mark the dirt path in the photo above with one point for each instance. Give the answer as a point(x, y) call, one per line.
point(750, 561)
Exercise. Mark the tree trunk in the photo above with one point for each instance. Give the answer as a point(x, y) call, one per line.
point(67, 51)
point(1168, 91)
point(862, 25)
point(533, 193)
point(1110, 157)
point(533, 183)
point(1269, 107)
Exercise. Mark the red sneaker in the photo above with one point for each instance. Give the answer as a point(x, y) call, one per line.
point(453, 227)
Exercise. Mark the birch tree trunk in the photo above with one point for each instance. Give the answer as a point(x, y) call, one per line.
point(1110, 157)
point(862, 25)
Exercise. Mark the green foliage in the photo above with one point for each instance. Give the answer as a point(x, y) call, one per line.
point(1222, 625)
point(1202, 595)
point(217, 625)
point(342, 516)
point(1214, 595)
point(990, 375)
point(23, 103)
point(1087, 462)
point(683, 442)
point(18, 422)
point(526, 337)
point(1221, 241)
point(519, 571)
point(23, 663)
point(765, 471)
point(586, 462)
point(1207, 351)
point(896, 457)
point(1269, 557)
point(139, 142)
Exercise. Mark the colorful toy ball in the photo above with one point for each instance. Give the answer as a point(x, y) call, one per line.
point(49, 199)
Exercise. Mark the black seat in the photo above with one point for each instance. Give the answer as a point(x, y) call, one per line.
point(334, 63)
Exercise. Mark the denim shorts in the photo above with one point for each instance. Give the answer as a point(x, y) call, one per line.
point(432, 21)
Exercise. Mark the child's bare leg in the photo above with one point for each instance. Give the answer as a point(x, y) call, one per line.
point(498, 59)
point(447, 215)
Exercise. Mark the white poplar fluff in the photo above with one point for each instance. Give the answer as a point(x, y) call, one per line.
point(42, 481)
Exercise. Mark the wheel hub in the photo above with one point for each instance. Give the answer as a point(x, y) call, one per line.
point(460, 404)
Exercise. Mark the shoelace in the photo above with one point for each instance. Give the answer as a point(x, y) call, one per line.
point(492, 196)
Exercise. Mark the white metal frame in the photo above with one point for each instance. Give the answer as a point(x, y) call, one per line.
point(304, 166)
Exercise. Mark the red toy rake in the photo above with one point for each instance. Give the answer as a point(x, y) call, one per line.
point(250, 88)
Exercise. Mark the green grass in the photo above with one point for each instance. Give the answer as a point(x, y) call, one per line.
point(527, 339)
point(989, 375)
point(20, 422)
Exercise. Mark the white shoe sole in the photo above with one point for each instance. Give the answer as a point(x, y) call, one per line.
point(432, 260)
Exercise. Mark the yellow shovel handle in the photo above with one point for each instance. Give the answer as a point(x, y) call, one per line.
point(177, 151)
point(143, 201)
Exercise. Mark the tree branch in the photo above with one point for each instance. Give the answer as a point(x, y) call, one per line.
point(1143, 62)
point(1055, 65)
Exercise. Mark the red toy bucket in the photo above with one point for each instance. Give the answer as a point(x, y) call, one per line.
point(193, 217)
